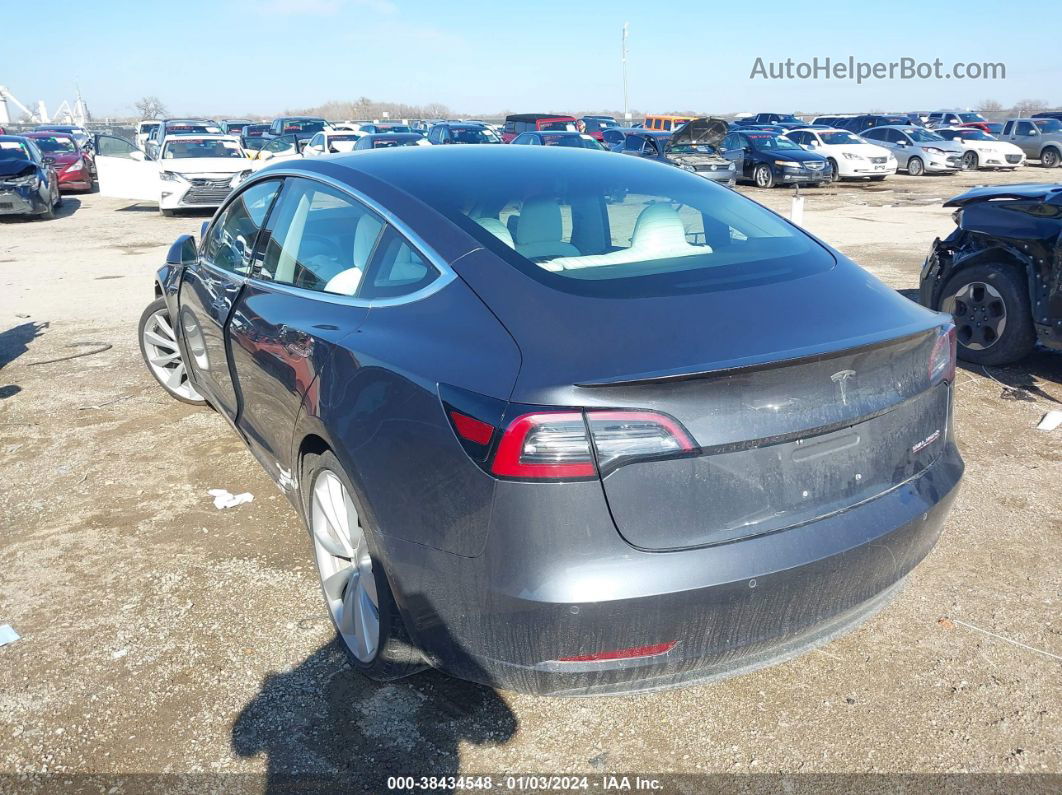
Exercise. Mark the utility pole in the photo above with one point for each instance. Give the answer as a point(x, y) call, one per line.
point(626, 95)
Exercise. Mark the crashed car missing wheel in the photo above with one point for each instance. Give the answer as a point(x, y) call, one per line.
point(999, 273)
point(549, 415)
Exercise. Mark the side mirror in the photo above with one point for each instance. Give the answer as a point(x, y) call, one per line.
point(48, 160)
point(264, 155)
point(183, 251)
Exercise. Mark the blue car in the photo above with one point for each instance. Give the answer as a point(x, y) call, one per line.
point(564, 422)
point(28, 182)
point(766, 159)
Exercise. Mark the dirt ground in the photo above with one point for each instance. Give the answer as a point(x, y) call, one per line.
point(161, 635)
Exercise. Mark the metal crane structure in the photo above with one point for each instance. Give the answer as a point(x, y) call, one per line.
point(66, 114)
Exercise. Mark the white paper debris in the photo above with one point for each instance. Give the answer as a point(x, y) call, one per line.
point(1051, 420)
point(117, 655)
point(224, 499)
point(8, 635)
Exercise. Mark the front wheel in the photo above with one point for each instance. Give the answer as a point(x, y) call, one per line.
point(166, 213)
point(835, 171)
point(355, 589)
point(162, 354)
point(993, 316)
point(1049, 158)
point(970, 161)
point(915, 167)
point(763, 176)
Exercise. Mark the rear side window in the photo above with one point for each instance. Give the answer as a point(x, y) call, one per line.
point(319, 239)
point(230, 242)
point(397, 269)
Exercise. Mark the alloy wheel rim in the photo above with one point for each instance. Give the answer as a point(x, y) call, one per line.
point(762, 177)
point(969, 161)
point(980, 315)
point(164, 356)
point(1050, 158)
point(344, 566)
point(914, 167)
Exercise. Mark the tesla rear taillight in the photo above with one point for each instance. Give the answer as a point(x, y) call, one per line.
point(942, 357)
point(569, 445)
point(631, 653)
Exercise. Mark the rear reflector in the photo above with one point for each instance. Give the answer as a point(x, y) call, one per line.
point(471, 429)
point(624, 654)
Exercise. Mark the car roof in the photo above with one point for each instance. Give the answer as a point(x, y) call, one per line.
point(201, 136)
point(538, 116)
point(392, 135)
point(12, 137)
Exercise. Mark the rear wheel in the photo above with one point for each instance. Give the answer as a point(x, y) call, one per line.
point(970, 161)
point(993, 318)
point(915, 167)
point(355, 589)
point(1050, 158)
point(763, 176)
point(162, 354)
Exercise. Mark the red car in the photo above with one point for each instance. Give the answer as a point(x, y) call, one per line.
point(73, 166)
point(537, 122)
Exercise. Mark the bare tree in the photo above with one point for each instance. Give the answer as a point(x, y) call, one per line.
point(1029, 105)
point(150, 108)
point(989, 106)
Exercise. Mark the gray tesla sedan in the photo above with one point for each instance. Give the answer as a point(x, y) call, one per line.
point(560, 422)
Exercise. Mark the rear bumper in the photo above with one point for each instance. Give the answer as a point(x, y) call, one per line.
point(555, 580)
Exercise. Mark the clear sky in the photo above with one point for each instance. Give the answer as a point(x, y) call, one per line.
point(480, 56)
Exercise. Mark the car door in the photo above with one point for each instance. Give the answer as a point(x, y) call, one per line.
point(1027, 136)
point(734, 147)
point(300, 300)
point(123, 170)
point(209, 290)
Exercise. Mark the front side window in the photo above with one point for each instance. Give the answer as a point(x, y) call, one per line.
point(319, 239)
point(620, 227)
point(230, 242)
point(109, 146)
point(1047, 125)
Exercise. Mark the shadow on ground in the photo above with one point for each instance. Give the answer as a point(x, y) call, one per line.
point(324, 726)
point(15, 341)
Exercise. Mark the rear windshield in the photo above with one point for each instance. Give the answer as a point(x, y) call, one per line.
point(1048, 125)
point(201, 147)
point(619, 227)
point(304, 126)
point(473, 135)
point(557, 125)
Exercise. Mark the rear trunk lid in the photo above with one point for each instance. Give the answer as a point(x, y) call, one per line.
point(802, 397)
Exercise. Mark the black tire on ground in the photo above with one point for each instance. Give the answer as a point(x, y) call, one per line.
point(151, 309)
point(915, 167)
point(166, 213)
point(1050, 158)
point(835, 173)
point(1018, 337)
point(878, 177)
point(763, 176)
point(396, 656)
point(970, 161)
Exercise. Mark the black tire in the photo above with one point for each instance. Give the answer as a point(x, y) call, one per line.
point(835, 172)
point(166, 213)
point(970, 161)
point(396, 656)
point(145, 316)
point(1017, 338)
point(763, 176)
point(1050, 158)
point(878, 177)
point(915, 167)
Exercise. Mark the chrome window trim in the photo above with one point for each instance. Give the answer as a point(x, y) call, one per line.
point(446, 273)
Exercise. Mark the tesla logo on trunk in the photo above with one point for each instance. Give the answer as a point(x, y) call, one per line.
point(841, 379)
